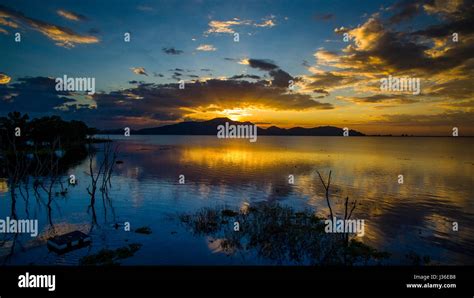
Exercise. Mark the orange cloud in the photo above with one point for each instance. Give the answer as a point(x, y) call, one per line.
point(224, 26)
point(206, 48)
point(70, 15)
point(62, 36)
point(8, 23)
point(4, 79)
point(228, 26)
point(139, 71)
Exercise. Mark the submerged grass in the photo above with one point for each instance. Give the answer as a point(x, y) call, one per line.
point(281, 234)
point(143, 230)
point(108, 257)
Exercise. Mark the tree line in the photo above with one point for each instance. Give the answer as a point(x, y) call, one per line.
point(42, 132)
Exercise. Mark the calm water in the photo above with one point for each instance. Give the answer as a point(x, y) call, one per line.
point(415, 216)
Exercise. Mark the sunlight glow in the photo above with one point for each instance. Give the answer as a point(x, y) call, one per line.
point(235, 114)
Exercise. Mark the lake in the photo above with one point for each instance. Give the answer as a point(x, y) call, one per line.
point(416, 216)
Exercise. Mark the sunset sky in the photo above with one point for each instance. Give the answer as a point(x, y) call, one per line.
point(336, 82)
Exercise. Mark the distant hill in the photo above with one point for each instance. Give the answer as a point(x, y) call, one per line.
point(209, 127)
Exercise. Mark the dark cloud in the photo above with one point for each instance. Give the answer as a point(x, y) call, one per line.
point(446, 30)
point(377, 49)
point(405, 10)
point(133, 82)
point(166, 102)
point(382, 98)
point(321, 91)
point(459, 20)
point(172, 51)
point(176, 76)
point(262, 64)
point(399, 51)
point(280, 78)
point(32, 95)
point(330, 79)
point(245, 76)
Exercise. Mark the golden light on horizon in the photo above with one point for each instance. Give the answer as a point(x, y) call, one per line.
point(235, 114)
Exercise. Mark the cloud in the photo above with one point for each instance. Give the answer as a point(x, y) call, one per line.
point(262, 64)
point(380, 98)
point(172, 51)
point(146, 104)
point(7, 23)
point(71, 15)
point(447, 8)
point(4, 79)
point(377, 50)
point(448, 119)
point(224, 26)
point(266, 23)
point(280, 78)
point(469, 104)
point(33, 95)
point(321, 91)
point(327, 80)
point(458, 16)
point(245, 76)
point(139, 71)
point(206, 48)
point(406, 9)
point(62, 36)
point(177, 76)
point(228, 27)
point(341, 30)
point(324, 57)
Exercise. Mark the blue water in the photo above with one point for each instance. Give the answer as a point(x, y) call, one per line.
point(416, 216)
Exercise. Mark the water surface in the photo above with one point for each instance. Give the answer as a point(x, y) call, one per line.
point(416, 216)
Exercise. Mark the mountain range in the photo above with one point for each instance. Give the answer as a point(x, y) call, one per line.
point(209, 127)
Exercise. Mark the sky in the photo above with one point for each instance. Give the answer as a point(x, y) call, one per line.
point(296, 63)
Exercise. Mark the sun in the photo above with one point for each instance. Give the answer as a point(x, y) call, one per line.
point(235, 114)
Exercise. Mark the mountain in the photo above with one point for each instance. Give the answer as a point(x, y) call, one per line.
point(209, 127)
